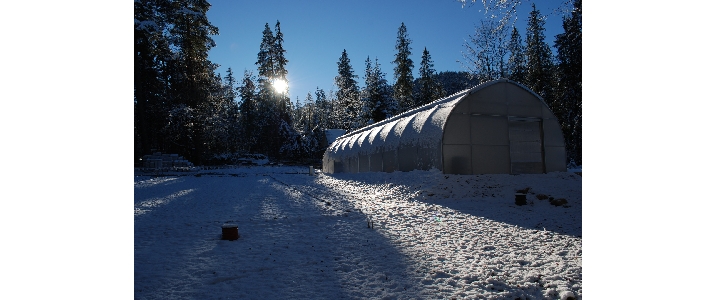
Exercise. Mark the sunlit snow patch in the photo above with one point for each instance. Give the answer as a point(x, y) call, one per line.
point(147, 205)
point(154, 181)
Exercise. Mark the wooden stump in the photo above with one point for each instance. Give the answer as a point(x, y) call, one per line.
point(520, 199)
point(230, 232)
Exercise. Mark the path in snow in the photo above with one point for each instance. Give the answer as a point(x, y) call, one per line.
point(435, 236)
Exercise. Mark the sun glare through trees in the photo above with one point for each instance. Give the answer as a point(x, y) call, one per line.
point(280, 86)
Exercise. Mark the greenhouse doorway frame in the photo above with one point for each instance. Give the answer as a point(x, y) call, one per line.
point(526, 146)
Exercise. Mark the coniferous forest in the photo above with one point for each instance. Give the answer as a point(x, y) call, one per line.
point(185, 105)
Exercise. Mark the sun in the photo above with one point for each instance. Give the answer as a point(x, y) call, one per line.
point(280, 85)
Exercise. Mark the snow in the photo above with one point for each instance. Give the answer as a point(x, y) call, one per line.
point(402, 235)
point(188, 11)
point(146, 25)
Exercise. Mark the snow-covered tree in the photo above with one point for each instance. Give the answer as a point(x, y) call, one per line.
point(324, 109)
point(568, 99)
point(280, 72)
point(307, 125)
point(348, 107)
point(265, 64)
point(274, 104)
point(219, 117)
point(230, 88)
point(428, 88)
point(377, 98)
point(249, 113)
point(486, 51)
point(504, 11)
point(151, 53)
point(191, 76)
point(181, 105)
point(404, 66)
point(539, 64)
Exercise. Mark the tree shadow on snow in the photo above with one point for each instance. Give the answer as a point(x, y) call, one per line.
point(291, 245)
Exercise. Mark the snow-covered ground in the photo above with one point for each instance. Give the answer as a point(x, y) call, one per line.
point(434, 236)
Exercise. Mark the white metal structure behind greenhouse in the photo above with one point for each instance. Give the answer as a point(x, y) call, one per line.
point(496, 127)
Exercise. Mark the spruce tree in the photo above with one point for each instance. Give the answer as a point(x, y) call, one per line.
point(389, 106)
point(192, 76)
point(539, 67)
point(429, 88)
point(219, 122)
point(568, 103)
point(403, 86)
point(349, 106)
point(274, 106)
point(151, 53)
point(266, 108)
point(280, 71)
point(323, 109)
point(250, 122)
point(289, 138)
point(230, 85)
point(265, 65)
point(377, 98)
point(369, 105)
point(516, 65)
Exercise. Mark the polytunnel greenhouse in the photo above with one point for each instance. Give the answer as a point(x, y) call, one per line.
point(496, 127)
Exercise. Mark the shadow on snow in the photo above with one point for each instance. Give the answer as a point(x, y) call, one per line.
point(291, 245)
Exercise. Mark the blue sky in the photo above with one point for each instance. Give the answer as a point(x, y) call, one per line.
point(316, 32)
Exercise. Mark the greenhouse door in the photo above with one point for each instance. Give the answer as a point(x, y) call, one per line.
point(526, 144)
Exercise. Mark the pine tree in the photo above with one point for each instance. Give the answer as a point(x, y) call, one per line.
point(307, 125)
point(192, 74)
point(280, 71)
point(539, 67)
point(151, 53)
point(335, 113)
point(369, 104)
point(377, 99)
point(230, 85)
point(219, 119)
point(265, 104)
point(265, 65)
point(191, 33)
point(289, 138)
point(429, 88)
point(349, 106)
point(323, 109)
point(248, 108)
point(568, 103)
point(274, 105)
point(390, 105)
point(516, 65)
point(403, 86)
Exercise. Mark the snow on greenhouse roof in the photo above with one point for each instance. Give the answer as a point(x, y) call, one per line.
point(413, 124)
